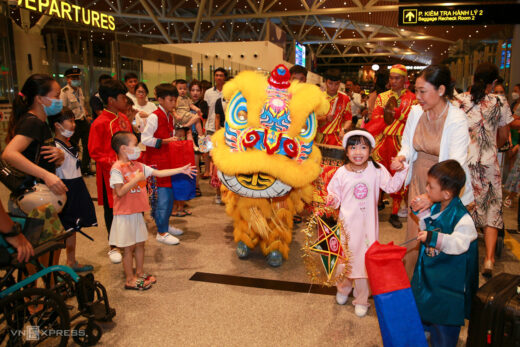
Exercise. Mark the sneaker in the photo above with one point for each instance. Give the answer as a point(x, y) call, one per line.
point(175, 231)
point(361, 310)
point(341, 299)
point(394, 220)
point(115, 256)
point(403, 213)
point(167, 239)
point(218, 200)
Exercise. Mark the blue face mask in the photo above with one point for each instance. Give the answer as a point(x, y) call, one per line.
point(75, 83)
point(54, 108)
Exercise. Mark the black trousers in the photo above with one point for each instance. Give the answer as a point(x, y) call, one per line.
point(108, 211)
point(81, 133)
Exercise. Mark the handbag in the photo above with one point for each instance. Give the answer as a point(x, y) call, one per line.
point(15, 180)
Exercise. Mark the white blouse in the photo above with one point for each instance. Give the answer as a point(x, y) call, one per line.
point(454, 143)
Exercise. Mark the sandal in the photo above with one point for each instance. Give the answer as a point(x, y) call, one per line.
point(198, 192)
point(139, 285)
point(187, 213)
point(180, 214)
point(297, 219)
point(147, 277)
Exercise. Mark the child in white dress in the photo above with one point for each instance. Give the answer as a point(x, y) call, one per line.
point(354, 189)
point(128, 181)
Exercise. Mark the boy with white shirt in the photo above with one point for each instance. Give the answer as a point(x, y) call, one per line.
point(158, 132)
point(446, 274)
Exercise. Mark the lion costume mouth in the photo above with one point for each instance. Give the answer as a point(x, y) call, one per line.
point(257, 185)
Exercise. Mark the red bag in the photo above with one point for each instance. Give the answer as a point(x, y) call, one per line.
point(181, 153)
point(385, 268)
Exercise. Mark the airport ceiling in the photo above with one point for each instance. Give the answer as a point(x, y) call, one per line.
point(337, 32)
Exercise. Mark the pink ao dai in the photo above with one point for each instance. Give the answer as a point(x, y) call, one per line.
point(357, 194)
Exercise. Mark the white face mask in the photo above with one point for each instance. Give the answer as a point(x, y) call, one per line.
point(135, 154)
point(515, 96)
point(64, 132)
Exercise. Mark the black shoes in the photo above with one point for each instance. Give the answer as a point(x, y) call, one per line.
point(395, 221)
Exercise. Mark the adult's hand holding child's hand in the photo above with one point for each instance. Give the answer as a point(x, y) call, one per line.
point(421, 203)
point(397, 163)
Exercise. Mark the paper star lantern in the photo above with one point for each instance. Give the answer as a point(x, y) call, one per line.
point(326, 246)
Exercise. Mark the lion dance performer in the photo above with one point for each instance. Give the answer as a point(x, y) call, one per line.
point(387, 126)
point(266, 159)
point(338, 120)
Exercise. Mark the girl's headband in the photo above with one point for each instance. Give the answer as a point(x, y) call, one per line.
point(363, 133)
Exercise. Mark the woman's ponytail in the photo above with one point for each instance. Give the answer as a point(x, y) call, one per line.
point(485, 74)
point(37, 84)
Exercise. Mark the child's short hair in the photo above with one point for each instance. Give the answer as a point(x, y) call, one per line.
point(181, 81)
point(111, 88)
point(66, 113)
point(166, 89)
point(119, 139)
point(450, 175)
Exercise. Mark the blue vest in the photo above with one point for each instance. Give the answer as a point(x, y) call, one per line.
point(443, 285)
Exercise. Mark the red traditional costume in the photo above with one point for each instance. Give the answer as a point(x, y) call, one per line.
point(100, 137)
point(159, 156)
point(388, 137)
point(340, 111)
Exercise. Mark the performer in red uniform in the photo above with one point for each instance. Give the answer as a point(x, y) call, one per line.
point(338, 120)
point(157, 136)
point(109, 122)
point(387, 126)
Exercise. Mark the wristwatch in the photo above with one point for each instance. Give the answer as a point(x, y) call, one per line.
point(15, 230)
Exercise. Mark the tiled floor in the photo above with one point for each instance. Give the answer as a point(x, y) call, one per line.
point(180, 312)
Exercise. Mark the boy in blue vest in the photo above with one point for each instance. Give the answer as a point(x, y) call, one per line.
point(446, 274)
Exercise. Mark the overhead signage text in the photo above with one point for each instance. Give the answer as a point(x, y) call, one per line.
point(459, 15)
point(71, 12)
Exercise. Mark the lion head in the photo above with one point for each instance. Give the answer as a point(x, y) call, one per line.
point(266, 147)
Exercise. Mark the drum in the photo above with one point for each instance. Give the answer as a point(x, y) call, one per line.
point(332, 158)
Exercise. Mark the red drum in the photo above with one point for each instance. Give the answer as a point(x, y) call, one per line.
point(332, 158)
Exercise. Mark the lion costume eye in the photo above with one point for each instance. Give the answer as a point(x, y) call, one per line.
point(309, 129)
point(237, 111)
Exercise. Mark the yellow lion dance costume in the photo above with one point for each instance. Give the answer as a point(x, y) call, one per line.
point(266, 159)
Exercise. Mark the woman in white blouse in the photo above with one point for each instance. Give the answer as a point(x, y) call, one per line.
point(435, 131)
point(143, 106)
